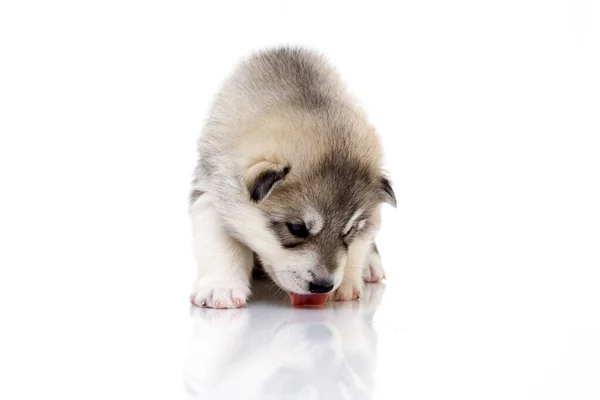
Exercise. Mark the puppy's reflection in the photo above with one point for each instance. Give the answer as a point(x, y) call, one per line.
point(270, 350)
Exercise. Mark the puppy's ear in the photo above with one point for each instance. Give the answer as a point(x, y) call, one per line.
point(387, 192)
point(262, 177)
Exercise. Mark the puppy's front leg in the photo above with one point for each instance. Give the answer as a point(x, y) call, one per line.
point(224, 264)
point(352, 283)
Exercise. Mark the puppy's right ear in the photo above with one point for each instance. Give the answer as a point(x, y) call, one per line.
point(262, 177)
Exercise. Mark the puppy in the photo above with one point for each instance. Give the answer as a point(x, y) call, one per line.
point(289, 170)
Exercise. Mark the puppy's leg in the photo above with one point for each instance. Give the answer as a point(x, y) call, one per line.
point(373, 271)
point(224, 264)
point(352, 283)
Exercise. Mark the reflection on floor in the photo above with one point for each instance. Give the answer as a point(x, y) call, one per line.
point(270, 350)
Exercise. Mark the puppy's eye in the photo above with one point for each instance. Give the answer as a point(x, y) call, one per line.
point(298, 230)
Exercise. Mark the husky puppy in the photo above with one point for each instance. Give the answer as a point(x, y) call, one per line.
point(289, 170)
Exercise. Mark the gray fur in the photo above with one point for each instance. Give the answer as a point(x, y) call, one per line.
point(286, 110)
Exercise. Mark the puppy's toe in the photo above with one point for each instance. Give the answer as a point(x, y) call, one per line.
point(346, 293)
point(374, 271)
point(219, 296)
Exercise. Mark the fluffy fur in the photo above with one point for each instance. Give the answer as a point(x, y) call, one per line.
point(285, 144)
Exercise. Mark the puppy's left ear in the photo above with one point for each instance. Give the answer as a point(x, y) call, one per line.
point(387, 192)
point(262, 177)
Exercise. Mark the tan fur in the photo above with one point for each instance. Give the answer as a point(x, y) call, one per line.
point(286, 112)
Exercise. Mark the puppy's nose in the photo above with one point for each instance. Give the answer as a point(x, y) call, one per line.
point(320, 286)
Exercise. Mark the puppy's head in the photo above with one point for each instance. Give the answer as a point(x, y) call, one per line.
point(313, 216)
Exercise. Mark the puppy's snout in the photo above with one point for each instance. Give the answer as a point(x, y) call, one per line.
point(320, 286)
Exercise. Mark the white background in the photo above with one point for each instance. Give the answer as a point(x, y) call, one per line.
point(489, 112)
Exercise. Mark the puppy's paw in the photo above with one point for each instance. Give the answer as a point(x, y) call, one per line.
point(373, 271)
point(215, 295)
point(346, 291)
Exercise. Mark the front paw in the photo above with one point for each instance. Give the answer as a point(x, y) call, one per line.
point(212, 294)
point(347, 291)
point(373, 272)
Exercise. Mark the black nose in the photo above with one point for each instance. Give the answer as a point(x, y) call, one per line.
point(320, 287)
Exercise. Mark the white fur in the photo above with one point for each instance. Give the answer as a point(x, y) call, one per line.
point(313, 221)
point(224, 264)
point(352, 283)
point(373, 271)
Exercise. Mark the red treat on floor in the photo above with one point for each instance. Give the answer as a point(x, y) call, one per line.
point(299, 300)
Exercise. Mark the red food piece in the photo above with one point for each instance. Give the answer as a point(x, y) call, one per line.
point(299, 300)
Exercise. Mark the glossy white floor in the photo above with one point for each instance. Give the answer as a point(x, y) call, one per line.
point(369, 350)
point(489, 117)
